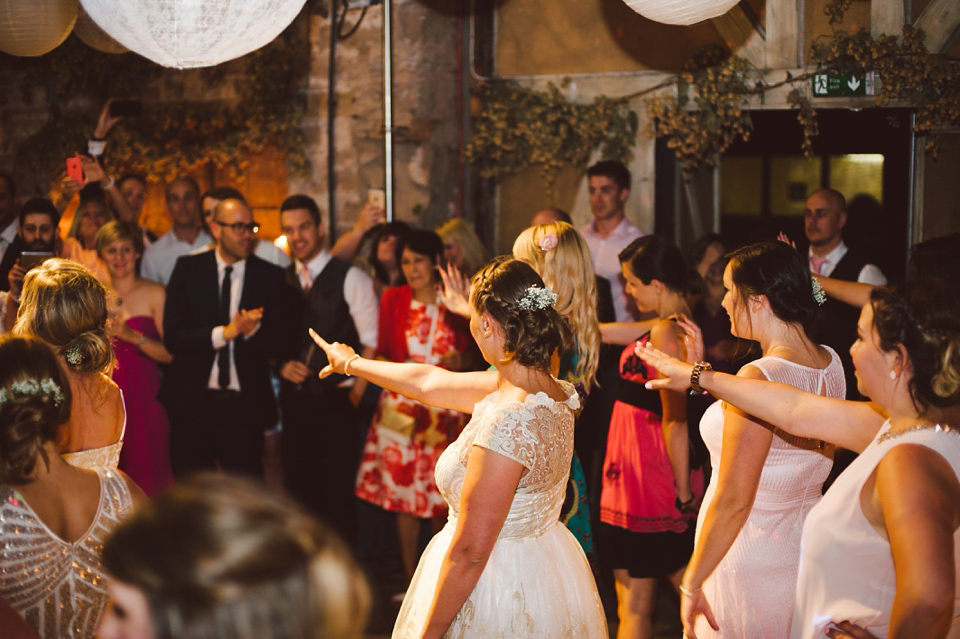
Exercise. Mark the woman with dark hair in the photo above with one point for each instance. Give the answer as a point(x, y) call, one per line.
point(879, 551)
point(65, 306)
point(220, 557)
point(649, 492)
point(383, 256)
point(742, 575)
point(53, 515)
point(503, 566)
point(406, 436)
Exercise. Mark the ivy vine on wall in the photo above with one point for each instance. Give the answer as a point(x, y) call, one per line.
point(263, 105)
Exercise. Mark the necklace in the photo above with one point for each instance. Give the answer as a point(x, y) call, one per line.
point(940, 428)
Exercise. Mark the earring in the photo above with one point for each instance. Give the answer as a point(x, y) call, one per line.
point(893, 374)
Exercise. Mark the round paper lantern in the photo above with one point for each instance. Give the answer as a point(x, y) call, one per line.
point(93, 36)
point(35, 27)
point(192, 33)
point(682, 12)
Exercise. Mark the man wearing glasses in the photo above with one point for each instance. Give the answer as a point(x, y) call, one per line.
point(225, 316)
point(186, 234)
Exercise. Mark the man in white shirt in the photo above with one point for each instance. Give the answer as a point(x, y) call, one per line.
point(610, 232)
point(320, 441)
point(825, 215)
point(185, 236)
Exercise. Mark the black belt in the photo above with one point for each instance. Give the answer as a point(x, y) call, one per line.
point(221, 395)
point(635, 394)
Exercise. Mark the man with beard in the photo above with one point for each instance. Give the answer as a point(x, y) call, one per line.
point(37, 232)
point(224, 318)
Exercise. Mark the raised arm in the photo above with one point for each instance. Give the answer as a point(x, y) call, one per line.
point(852, 293)
point(852, 425)
point(623, 333)
point(428, 384)
point(488, 488)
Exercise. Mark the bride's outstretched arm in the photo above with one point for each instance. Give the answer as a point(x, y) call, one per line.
point(428, 384)
point(852, 425)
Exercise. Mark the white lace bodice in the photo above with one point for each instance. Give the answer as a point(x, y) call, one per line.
point(538, 434)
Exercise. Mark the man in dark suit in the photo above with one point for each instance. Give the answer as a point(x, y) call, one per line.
point(224, 320)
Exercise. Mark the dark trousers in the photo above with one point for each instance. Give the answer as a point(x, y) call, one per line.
point(319, 449)
point(217, 434)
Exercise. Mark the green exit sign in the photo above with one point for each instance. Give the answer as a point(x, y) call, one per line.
point(842, 85)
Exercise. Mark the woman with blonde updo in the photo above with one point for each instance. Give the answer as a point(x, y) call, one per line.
point(65, 306)
point(55, 516)
point(219, 557)
point(503, 565)
point(560, 255)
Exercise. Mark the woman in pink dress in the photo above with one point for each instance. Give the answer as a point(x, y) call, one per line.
point(406, 437)
point(137, 319)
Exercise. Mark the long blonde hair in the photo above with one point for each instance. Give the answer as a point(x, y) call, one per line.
point(458, 231)
point(561, 256)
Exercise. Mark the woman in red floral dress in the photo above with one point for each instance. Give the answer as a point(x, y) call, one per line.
point(406, 437)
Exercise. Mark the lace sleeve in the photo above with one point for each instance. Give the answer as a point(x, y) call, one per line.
point(511, 434)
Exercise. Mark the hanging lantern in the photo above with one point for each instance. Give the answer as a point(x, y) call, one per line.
point(35, 27)
point(93, 36)
point(681, 12)
point(193, 33)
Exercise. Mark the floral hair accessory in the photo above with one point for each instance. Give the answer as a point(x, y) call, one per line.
point(548, 242)
point(818, 293)
point(46, 387)
point(537, 298)
point(74, 356)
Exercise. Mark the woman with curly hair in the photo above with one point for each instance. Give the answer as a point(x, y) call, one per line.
point(65, 306)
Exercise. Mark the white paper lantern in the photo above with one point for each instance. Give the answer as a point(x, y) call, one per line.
point(682, 12)
point(93, 36)
point(193, 33)
point(35, 27)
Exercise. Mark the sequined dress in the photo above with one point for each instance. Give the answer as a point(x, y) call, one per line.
point(59, 587)
point(537, 582)
point(751, 591)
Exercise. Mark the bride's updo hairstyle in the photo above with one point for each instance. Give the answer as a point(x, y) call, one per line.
point(34, 402)
point(531, 335)
point(220, 557)
point(924, 317)
point(777, 271)
point(64, 305)
point(652, 257)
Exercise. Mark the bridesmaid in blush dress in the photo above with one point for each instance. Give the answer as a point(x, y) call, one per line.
point(136, 318)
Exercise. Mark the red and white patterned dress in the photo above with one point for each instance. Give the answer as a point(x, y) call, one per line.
point(406, 437)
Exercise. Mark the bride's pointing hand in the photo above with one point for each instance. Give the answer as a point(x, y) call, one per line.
point(674, 374)
point(338, 355)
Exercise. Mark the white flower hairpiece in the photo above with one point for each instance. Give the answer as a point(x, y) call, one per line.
point(537, 298)
point(548, 242)
point(31, 387)
point(74, 356)
point(818, 295)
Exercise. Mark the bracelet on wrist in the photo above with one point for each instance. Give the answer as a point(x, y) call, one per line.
point(689, 591)
point(346, 365)
point(143, 340)
point(698, 368)
point(109, 184)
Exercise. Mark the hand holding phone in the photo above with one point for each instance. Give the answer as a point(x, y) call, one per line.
point(75, 169)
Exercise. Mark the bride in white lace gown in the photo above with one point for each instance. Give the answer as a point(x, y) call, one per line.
point(503, 566)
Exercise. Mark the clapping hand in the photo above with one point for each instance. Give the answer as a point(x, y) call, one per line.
point(455, 290)
point(337, 355)
point(693, 340)
point(782, 237)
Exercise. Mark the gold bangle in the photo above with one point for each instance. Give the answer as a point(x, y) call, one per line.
point(687, 591)
point(698, 368)
point(347, 364)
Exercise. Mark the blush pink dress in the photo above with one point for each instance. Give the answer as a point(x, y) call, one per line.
point(751, 591)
